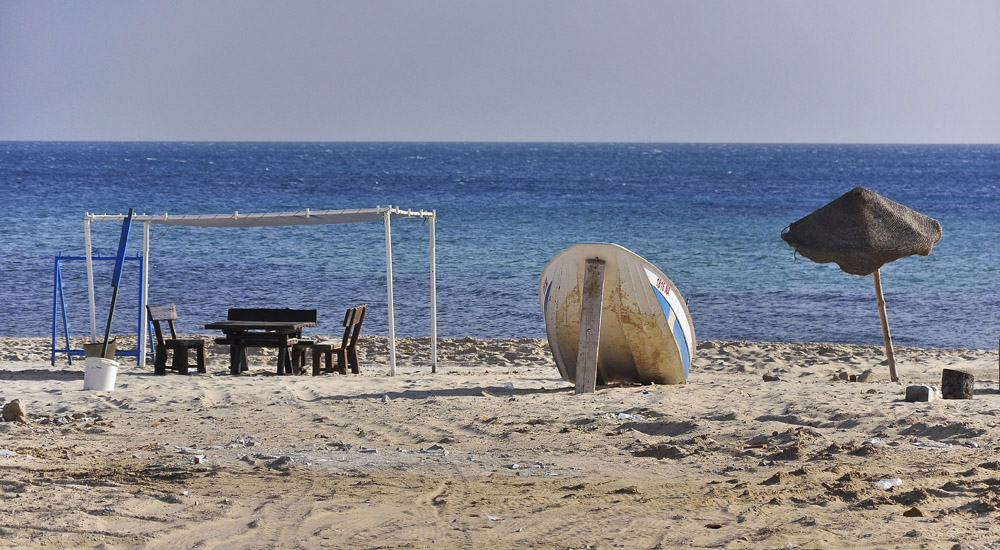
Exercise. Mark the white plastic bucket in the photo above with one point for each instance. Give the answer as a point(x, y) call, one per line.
point(99, 374)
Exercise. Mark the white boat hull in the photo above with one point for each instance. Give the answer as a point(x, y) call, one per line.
point(646, 333)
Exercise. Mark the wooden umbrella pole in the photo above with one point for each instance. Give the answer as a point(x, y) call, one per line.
point(885, 326)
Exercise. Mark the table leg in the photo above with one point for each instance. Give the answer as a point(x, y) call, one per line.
point(283, 359)
point(235, 356)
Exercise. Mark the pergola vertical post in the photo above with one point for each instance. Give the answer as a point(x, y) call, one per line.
point(90, 278)
point(388, 287)
point(143, 294)
point(434, 356)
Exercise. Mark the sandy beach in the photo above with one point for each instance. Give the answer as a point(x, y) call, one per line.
point(768, 445)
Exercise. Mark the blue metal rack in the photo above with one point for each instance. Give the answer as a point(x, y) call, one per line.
point(59, 310)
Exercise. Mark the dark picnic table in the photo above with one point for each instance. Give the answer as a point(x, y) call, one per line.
point(241, 335)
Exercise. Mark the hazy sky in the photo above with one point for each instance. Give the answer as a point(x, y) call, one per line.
point(862, 71)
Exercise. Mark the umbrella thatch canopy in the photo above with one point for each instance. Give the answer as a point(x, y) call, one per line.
point(862, 231)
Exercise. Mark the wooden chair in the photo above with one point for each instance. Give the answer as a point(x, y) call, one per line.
point(180, 346)
point(346, 349)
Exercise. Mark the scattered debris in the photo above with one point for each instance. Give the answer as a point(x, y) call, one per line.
point(935, 444)
point(887, 483)
point(245, 441)
point(865, 377)
point(876, 442)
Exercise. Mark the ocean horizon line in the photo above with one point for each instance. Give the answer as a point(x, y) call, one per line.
point(508, 142)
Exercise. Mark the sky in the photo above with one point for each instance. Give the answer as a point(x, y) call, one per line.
point(817, 71)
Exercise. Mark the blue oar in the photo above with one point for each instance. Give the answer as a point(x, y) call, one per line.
point(117, 277)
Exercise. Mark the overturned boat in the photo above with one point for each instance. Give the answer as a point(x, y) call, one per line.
point(646, 333)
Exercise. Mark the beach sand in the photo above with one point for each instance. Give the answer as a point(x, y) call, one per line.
point(495, 450)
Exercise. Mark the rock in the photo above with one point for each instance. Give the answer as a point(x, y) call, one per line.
point(779, 478)
point(919, 393)
point(282, 462)
point(867, 376)
point(663, 451)
point(770, 378)
point(956, 384)
point(12, 412)
point(439, 449)
point(914, 513)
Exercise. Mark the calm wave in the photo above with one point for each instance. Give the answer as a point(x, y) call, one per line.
point(708, 215)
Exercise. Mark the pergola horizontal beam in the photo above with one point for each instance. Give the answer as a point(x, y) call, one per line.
point(302, 217)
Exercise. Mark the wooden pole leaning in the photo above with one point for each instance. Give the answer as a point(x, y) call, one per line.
point(590, 326)
point(890, 355)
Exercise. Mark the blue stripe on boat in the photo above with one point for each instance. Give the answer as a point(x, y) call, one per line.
point(545, 307)
point(676, 330)
point(682, 345)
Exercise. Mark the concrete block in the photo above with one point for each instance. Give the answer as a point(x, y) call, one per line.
point(919, 393)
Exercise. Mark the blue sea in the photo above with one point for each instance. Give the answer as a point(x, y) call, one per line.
point(708, 215)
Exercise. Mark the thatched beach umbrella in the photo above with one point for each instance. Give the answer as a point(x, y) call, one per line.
point(861, 231)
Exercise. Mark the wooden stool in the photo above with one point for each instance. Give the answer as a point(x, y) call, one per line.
point(299, 355)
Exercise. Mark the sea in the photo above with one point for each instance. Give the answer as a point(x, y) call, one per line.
point(708, 215)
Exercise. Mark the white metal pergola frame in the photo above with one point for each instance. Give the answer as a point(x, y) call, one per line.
point(304, 217)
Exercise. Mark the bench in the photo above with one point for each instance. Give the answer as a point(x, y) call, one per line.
point(267, 337)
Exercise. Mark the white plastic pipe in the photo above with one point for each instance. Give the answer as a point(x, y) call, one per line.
point(434, 353)
point(90, 279)
point(143, 295)
point(388, 286)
